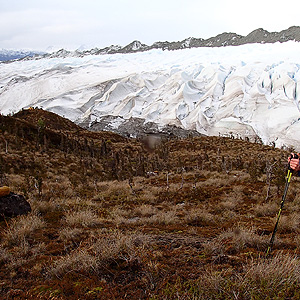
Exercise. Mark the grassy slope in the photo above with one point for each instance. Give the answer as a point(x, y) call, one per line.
point(189, 220)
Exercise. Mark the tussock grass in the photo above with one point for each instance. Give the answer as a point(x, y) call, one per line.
point(70, 234)
point(233, 241)
point(289, 223)
point(78, 261)
point(200, 217)
point(242, 238)
point(22, 228)
point(145, 214)
point(43, 207)
point(84, 218)
point(269, 209)
point(163, 217)
point(98, 253)
point(145, 210)
point(276, 278)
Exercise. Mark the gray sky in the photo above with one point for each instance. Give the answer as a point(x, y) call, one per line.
point(38, 24)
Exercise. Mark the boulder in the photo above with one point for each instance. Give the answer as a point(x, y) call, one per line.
point(4, 191)
point(13, 205)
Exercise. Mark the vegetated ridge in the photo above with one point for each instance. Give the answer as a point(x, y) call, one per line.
point(114, 217)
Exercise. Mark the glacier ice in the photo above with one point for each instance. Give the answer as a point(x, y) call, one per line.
point(244, 90)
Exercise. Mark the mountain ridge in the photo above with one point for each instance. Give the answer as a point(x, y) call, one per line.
point(221, 40)
point(224, 39)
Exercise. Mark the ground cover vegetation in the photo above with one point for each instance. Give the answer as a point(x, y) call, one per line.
point(114, 219)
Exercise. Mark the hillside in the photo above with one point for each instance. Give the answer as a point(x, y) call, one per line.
point(113, 218)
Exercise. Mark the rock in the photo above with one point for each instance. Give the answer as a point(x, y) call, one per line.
point(4, 191)
point(13, 205)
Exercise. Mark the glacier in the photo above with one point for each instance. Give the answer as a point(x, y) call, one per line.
point(251, 90)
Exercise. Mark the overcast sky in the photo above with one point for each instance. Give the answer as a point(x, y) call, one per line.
point(38, 24)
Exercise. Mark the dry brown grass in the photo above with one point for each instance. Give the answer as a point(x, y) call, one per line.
point(163, 218)
point(22, 228)
point(145, 214)
point(200, 217)
point(269, 209)
point(274, 277)
point(98, 253)
point(242, 238)
point(84, 218)
point(77, 261)
point(236, 240)
point(289, 223)
point(43, 207)
point(70, 234)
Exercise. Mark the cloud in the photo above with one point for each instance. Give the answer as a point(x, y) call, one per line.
point(39, 28)
point(244, 17)
point(71, 23)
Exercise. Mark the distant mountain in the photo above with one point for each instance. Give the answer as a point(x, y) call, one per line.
point(7, 55)
point(221, 40)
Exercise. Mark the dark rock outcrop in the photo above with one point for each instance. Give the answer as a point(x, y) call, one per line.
point(13, 205)
point(137, 128)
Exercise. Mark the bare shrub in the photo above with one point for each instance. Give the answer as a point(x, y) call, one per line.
point(84, 218)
